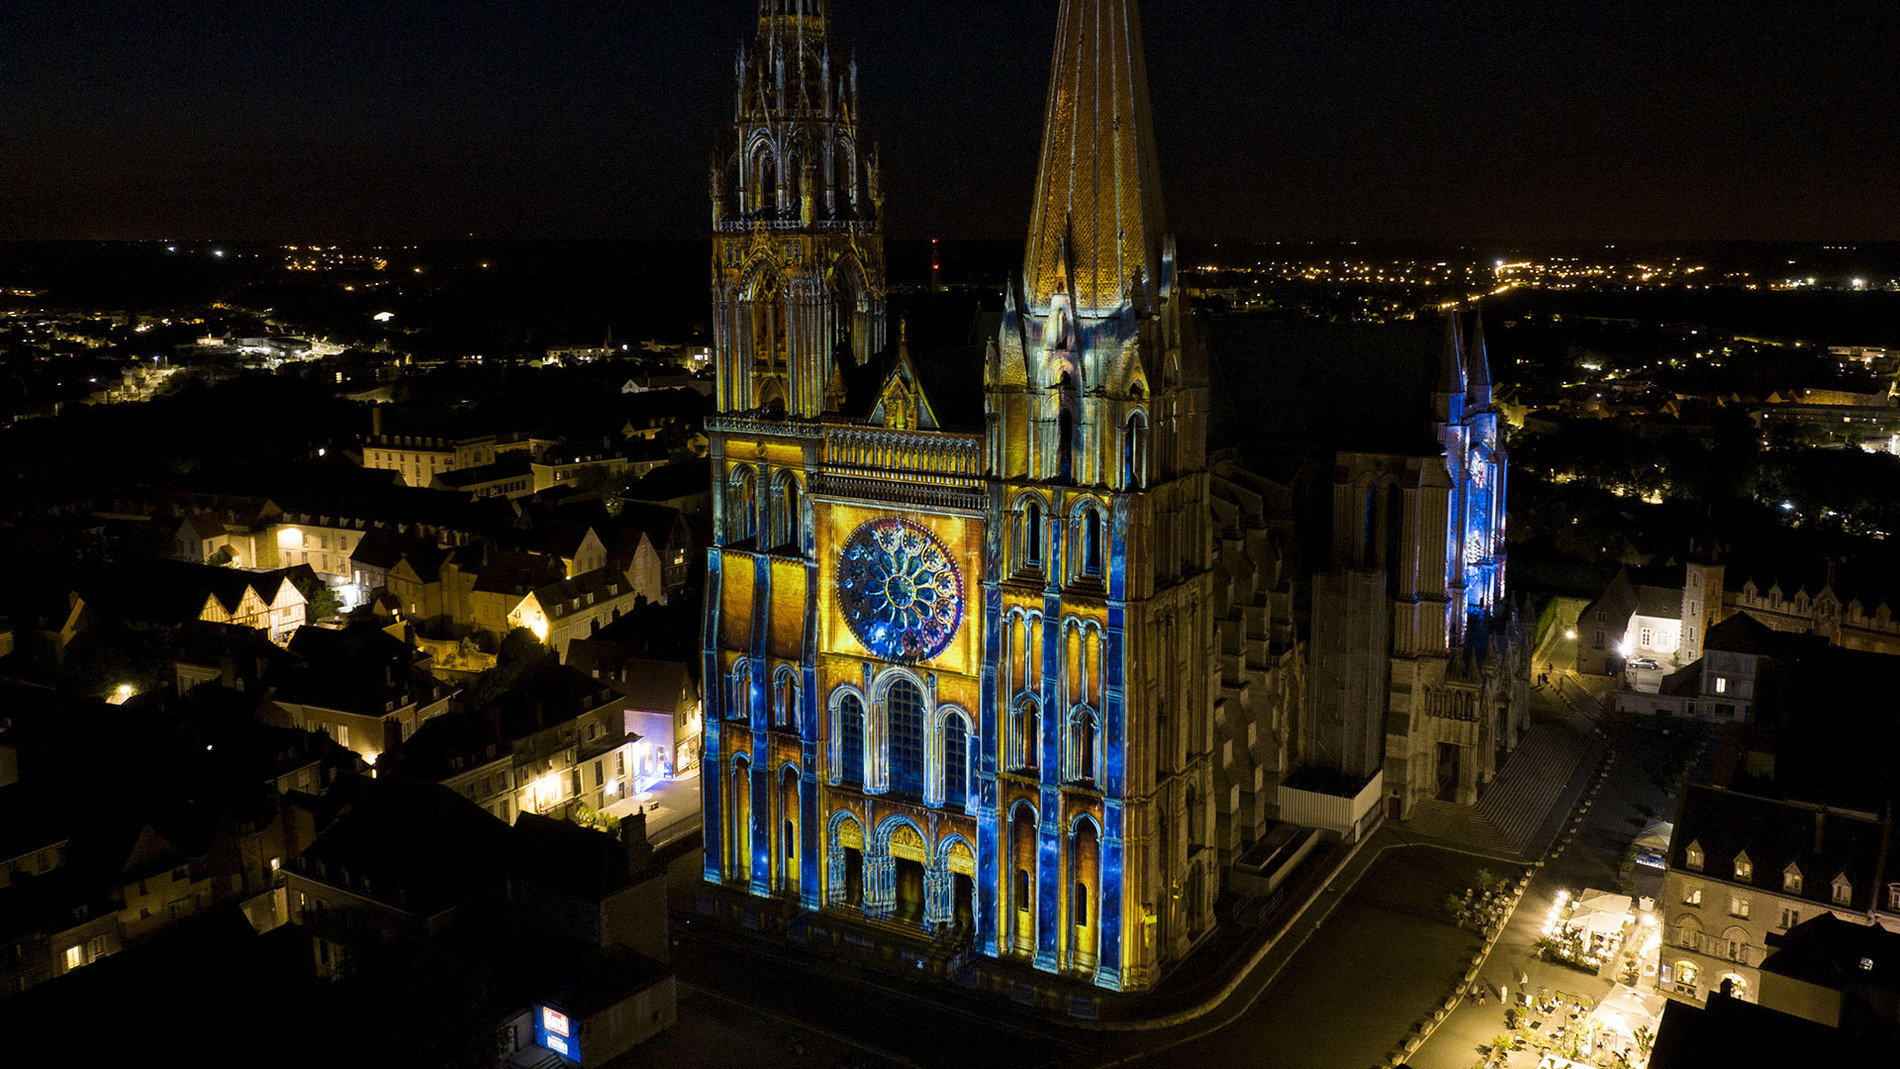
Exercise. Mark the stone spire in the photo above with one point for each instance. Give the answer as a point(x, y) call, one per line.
point(1478, 367)
point(1098, 185)
point(1452, 382)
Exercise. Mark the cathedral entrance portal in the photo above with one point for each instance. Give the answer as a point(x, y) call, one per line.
point(910, 892)
point(963, 902)
point(853, 877)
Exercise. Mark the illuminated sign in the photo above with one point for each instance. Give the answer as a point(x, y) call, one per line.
point(554, 1031)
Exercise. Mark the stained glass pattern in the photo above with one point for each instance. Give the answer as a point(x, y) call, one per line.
point(900, 591)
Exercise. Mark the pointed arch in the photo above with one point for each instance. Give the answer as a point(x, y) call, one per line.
point(1135, 450)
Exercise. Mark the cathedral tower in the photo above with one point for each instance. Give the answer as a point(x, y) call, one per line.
point(798, 248)
point(1097, 608)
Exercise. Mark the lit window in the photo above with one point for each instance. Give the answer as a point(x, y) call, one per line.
point(1692, 857)
point(75, 957)
point(1685, 977)
point(1744, 869)
point(1791, 880)
point(1721, 685)
point(1738, 906)
point(1692, 896)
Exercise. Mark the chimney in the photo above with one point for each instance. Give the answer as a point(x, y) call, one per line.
point(633, 835)
point(1820, 825)
point(376, 421)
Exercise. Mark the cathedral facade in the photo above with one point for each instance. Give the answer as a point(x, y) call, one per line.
point(960, 680)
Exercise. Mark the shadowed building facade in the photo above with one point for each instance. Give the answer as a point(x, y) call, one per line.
point(961, 681)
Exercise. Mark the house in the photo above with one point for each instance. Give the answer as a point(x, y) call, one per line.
point(365, 689)
point(1744, 868)
point(561, 612)
point(664, 534)
point(1841, 974)
point(663, 704)
point(502, 580)
point(421, 444)
point(1666, 620)
point(511, 476)
point(172, 593)
point(399, 861)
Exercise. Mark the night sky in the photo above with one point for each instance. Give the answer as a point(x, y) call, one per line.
point(339, 120)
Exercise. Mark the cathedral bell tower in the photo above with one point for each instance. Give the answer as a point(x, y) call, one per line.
point(798, 248)
point(1095, 407)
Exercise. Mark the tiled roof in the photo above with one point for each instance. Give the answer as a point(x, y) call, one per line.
point(1822, 844)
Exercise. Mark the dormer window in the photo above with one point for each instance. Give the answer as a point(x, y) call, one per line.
point(1843, 890)
point(1692, 856)
point(1791, 880)
point(1744, 868)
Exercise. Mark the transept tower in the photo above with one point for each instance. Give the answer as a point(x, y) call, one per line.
point(798, 248)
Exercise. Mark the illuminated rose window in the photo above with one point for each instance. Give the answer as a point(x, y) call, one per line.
point(899, 590)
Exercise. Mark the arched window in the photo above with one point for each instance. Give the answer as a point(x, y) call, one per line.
point(1394, 527)
point(740, 705)
point(1065, 433)
point(1026, 733)
point(851, 740)
point(956, 761)
point(1093, 539)
point(1193, 814)
point(1135, 452)
point(785, 698)
point(742, 513)
point(1083, 747)
point(1029, 536)
point(904, 708)
point(1370, 541)
point(787, 525)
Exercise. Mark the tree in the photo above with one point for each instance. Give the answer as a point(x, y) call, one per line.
point(323, 604)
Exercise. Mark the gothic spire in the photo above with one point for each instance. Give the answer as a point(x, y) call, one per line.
point(1478, 365)
point(1098, 185)
point(1451, 361)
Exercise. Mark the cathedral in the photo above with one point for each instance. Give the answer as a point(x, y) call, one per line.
point(982, 687)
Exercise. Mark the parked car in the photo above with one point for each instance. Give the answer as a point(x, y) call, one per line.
point(1644, 662)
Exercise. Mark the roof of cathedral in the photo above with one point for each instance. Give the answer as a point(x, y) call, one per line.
point(1098, 213)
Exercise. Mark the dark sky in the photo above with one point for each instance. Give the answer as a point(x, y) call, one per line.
point(337, 119)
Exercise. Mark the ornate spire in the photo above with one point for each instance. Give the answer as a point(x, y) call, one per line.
point(1099, 186)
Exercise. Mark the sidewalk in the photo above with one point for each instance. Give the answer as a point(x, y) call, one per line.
point(671, 807)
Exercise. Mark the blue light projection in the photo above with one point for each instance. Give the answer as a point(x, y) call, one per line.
point(900, 590)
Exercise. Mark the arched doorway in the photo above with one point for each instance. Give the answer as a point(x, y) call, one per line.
point(1085, 866)
point(960, 863)
point(788, 830)
point(847, 861)
point(739, 808)
point(1021, 877)
point(908, 857)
